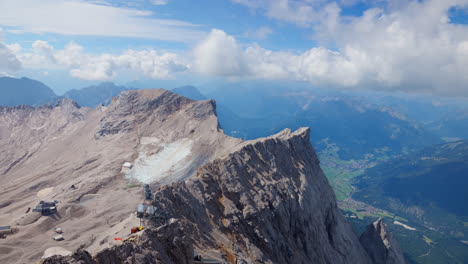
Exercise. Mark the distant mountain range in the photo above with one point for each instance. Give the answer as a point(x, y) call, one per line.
point(355, 125)
point(359, 129)
point(24, 91)
point(94, 95)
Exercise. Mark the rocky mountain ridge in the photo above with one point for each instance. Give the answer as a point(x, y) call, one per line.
point(258, 201)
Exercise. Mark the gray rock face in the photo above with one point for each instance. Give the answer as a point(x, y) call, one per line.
point(380, 245)
point(170, 243)
point(268, 202)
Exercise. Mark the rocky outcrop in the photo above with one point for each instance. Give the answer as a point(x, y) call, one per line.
point(170, 243)
point(380, 244)
point(268, 202)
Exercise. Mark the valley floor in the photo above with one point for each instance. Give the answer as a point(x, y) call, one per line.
point(421, 244)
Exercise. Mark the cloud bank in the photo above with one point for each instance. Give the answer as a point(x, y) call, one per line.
point(403, 45)
point(407, 47)
point(8, 61)
point(149, 63)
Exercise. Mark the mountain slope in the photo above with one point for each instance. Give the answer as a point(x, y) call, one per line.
point(24, 91)
point(75, 155)
point(265, 200)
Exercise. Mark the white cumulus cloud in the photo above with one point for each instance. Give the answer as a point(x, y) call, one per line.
point(9, 63)
point(220, 54)
point(409, 45)
point(148, 63)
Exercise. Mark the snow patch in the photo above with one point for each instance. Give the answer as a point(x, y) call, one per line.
point(149, 140)
point(52, 251)
point(169, 164)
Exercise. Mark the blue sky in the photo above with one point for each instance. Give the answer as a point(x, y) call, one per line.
point(410, 46)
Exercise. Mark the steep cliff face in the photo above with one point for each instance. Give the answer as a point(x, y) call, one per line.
point(260, 201)
point(268, 202)
point(380, 244)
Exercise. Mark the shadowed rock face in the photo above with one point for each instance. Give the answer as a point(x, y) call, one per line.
point(380, 244)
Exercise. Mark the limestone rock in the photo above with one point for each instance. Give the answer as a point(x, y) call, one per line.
point(380, 244)
point(268, 202)
point(171, 244)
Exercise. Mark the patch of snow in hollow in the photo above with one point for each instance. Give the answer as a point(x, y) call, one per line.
point(149, 140)
point(52, 251)
point(167, 164)
point(127, 165)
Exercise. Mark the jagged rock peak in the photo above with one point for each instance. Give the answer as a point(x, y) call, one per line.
point(380, 244)
point(132, 108)
point(146, 99)
point(135, 101)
